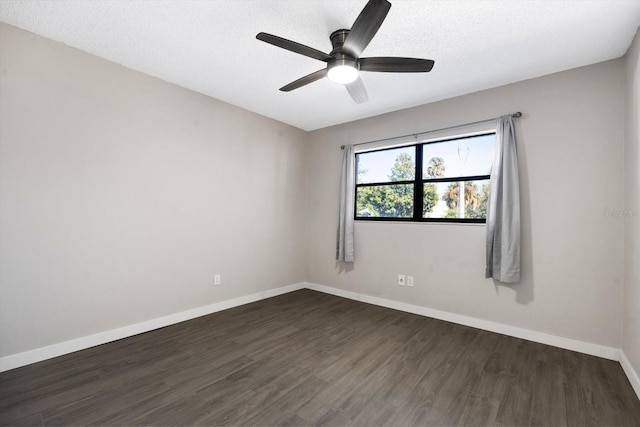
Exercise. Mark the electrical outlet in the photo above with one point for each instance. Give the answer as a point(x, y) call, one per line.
point(401, 279)
point(217, 280)
point(410, 281)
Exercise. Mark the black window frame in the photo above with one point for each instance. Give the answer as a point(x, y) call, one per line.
point(418, 184)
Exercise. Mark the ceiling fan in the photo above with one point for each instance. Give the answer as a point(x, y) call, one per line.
point(344, 61)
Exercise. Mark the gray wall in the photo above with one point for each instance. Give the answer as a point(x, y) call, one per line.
point(123, 195)
point(631, 337)
point(570, 144)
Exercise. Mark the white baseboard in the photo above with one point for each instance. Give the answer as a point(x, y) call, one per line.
point(59, 349)
point(633, 376)
point(48, 352)
point(500, 328)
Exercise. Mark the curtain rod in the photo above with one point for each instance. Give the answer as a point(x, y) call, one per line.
point(514, 115)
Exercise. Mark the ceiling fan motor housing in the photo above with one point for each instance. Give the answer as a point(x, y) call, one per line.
point(337, 40)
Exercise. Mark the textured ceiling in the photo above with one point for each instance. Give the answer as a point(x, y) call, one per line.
point(210, 46)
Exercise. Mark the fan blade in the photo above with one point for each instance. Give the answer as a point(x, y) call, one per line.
point(365, 27)
point(302, 81)
point(396, 65)
point(357, 91)
point(294, 47)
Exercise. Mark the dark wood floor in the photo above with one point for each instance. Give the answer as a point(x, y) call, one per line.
point(307, 358)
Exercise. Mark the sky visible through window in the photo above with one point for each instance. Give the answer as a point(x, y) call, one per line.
point(468, 156)
point(462, 157)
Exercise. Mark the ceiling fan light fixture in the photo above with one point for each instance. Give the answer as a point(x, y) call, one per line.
point(344, 61)
point(342, 71)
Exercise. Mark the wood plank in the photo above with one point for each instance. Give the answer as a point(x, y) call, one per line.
point(548, 399)
point(307, 358)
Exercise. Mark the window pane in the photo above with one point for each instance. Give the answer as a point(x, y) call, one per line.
point(441, 199)
point(389, 201)
point(459, 157)
point(386, 165)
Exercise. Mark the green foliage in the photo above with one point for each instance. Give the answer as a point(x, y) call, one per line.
point(386, 201)
point(436, 167)
point(483, 200)
point(475, 201)
point(403, 169)
point(395, 200)
point(430, 198)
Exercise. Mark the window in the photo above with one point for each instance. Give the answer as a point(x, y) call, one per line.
point(439, 181)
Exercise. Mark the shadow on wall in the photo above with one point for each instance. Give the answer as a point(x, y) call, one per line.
point(523, 290)
point(344, 267)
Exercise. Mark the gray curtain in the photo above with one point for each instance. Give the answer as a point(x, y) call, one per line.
point(503, 210)
point(344, 250)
